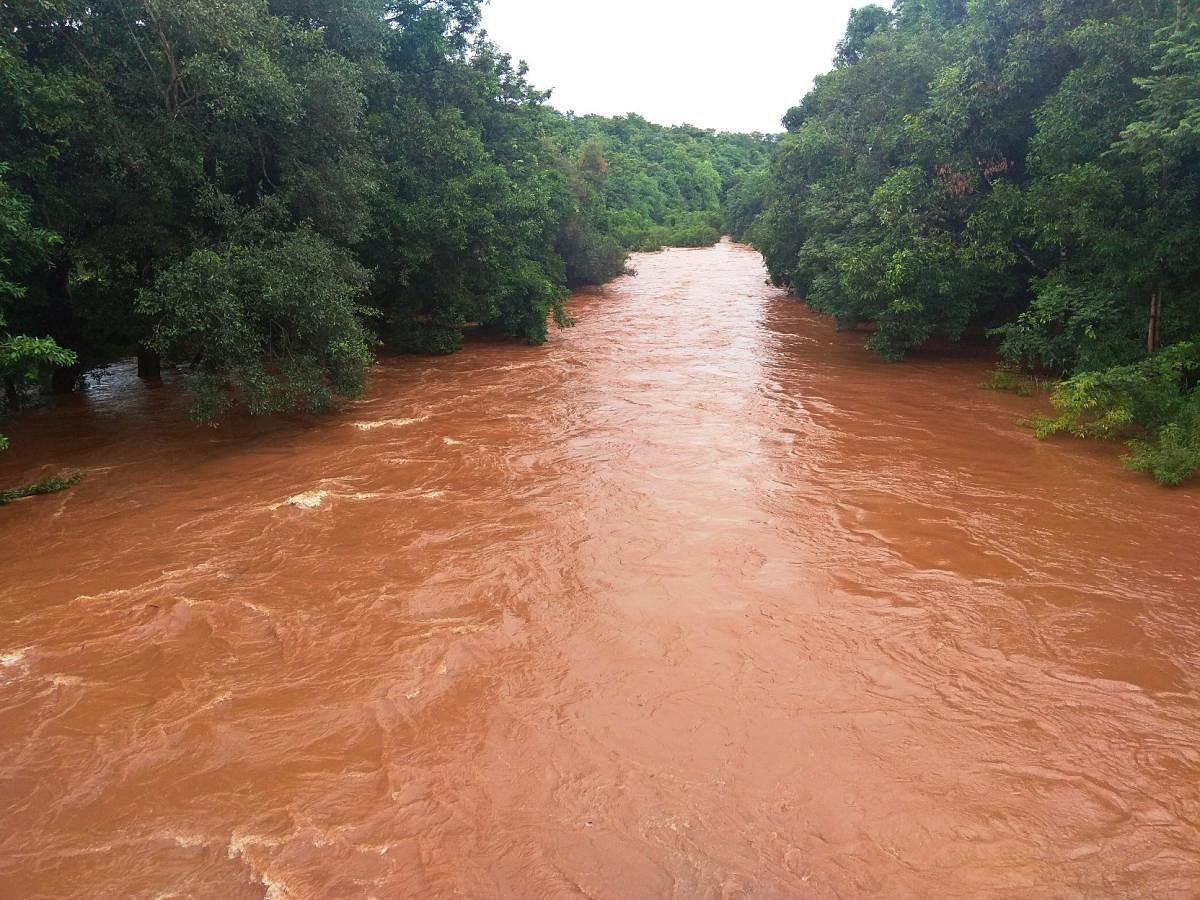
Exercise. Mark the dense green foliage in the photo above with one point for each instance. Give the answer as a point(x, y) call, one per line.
point(661, 186)
point(51, 485)
point(1157, 395)
point(263, 191)
point(22, 248)
point(1030, 170)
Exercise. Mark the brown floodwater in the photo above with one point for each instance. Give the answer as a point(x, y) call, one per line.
point(697, 600)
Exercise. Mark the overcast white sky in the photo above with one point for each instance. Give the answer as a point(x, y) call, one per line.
point(734, 65)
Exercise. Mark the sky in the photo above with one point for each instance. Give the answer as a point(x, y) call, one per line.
point(735, 65)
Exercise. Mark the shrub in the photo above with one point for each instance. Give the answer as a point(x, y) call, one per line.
point(1153, 403)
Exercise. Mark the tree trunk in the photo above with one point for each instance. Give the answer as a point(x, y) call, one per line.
point(1155, 316)
point(149, 363)
point(63, 327)
point(66, 379)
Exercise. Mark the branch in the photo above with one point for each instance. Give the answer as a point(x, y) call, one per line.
point(141, 51)
point(173, 88)
point(1028, 257)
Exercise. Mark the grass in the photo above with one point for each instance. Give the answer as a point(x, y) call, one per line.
point(51, 485)
point(1019, 383)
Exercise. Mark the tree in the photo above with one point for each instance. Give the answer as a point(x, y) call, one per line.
point(1026, 170)
point(864, 22)
point(23, 360)
point(267, 320)
point(261, 192)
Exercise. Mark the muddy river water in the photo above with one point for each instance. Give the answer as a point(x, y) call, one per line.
point(697, 600)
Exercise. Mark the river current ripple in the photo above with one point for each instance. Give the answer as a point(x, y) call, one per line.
point(697, 600)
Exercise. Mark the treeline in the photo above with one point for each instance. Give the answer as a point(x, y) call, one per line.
point(1026, 170)
point(261, 189)
point(265, 191)
point(663, 187)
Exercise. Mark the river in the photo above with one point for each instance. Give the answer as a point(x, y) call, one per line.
point(697, 600)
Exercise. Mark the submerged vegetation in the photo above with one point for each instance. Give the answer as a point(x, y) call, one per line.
point(1154, 399)
point(1025, 170)
point(51, 485)
point(265, 192)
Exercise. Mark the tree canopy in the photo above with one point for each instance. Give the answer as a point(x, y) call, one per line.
point(265, 191)
point(662, 186)
point(1026, 170)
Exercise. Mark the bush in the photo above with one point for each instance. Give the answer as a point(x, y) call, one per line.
point(1154, 403)
point(51, 485)
point(589, 256)
point(273, 325)
point(1172, 458)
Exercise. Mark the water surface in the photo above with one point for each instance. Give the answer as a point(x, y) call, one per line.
point(698, 600)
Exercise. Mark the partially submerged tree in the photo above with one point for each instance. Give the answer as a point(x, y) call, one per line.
point(1031, 170)
point(23, 359)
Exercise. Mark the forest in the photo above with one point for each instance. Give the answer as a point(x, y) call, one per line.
point(664, 187)
point(1026, 171)
point(267, 194)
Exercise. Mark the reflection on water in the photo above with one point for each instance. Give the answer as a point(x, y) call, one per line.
point(697, 600)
